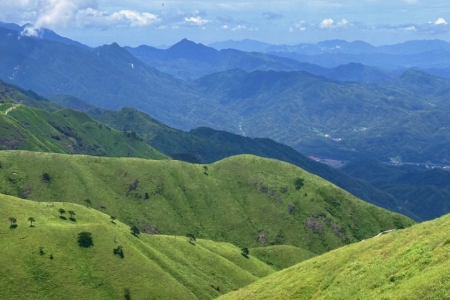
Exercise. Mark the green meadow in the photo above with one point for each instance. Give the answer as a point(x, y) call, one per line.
point(411, 263)
point(245, 200)
point(45, 261)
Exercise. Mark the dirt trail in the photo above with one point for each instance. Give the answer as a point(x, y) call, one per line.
point(11, 108)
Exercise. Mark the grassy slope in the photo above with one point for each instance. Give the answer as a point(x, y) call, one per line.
point(153, 267)
point(244, 200)
point(407, 264)
point(206, 145)
point(66, 131)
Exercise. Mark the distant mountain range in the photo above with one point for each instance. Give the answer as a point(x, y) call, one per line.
point(429, 55)
point(396, 116)
point(189, 60)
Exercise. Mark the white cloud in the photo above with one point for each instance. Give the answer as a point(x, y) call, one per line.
point(59, 14)
point(331, 24)
point(440, 21)
point(95, 18)
point(239, 27)
point(198, 21)
point(298, 26)
point(327, 23)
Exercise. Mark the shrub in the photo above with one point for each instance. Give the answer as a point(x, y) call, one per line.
point(245, 252)
point(12, 222)
point(72, 214)
point(118, 251)
point(135, 230)
point(85, 239)
point(299, 183)
point(191, 238)
point(46, 177)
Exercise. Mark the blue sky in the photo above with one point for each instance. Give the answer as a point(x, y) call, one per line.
point(136, 22)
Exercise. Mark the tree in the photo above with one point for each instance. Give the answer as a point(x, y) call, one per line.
point(85, 239)
point(299, 183)
point(46, 177)
point(245, 252)
point(88, 202)
point(72, 214)
point(12, 221)
point(135, 230)
point(31, 219)
point(62, 211)
point(127, 294)
point(191, 238)
point(118, 251)
point(113, 219)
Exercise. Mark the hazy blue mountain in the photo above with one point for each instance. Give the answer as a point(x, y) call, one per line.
point(45, 34)
point(414, 47)
point(345, 120)
point(189, 60)
point(243, 45)
point(108, 76)
point(405, 116)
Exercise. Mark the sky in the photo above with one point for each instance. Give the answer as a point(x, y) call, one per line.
point(165, 22)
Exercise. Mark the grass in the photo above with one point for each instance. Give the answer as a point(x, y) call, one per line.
point(46, 262)
point(67, 131)
point(412, 263)
point(245, 200)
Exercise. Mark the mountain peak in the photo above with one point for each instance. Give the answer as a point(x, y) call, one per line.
point(191, 50)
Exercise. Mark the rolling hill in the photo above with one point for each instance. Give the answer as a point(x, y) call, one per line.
point(206, 145)
point(66, 131)
point(405, 264)
point(246, 200)
point(45, 261)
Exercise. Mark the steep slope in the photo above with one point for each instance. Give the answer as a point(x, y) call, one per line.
point(66, 131)
point(246, 200)
point(45, 261)
point(13, 94)
point(406, 264)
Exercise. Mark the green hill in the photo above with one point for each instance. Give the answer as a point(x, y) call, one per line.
point(206, 145)
point(406, 264)
point(66, 131)
point(246, 200)
point(46, 262)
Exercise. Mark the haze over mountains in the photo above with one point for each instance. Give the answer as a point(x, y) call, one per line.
point(165, 141)
point(291, 107)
